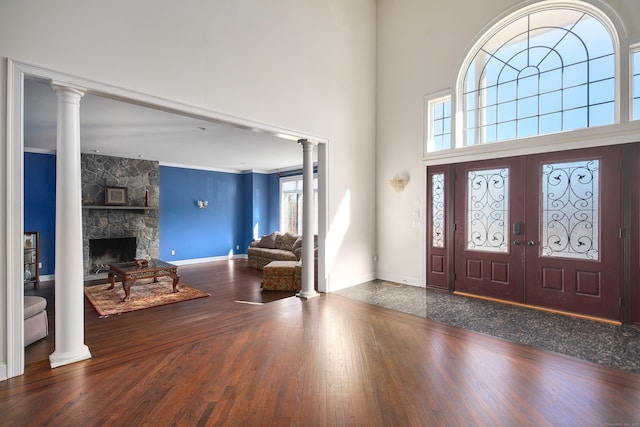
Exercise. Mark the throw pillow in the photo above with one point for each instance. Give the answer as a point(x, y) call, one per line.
point(297, 244)
point(288, 240)
point(268, 241)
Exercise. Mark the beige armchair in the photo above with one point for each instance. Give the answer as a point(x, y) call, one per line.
point(36, 324)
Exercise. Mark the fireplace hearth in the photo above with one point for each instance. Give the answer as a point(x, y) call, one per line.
point(104, 252)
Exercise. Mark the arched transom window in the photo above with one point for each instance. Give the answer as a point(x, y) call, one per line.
point(548, 71)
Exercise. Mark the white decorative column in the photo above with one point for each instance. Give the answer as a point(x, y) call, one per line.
point(69, 294)
point(308, 289)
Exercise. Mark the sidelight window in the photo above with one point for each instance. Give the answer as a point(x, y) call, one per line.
point(635, 83)
point(437, 210)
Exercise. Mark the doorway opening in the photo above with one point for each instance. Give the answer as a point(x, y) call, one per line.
point(16, 76)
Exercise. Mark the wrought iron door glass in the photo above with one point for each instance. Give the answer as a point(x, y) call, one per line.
point(488, 210)
point(635, 83)
point(570, 205)
point(437, 210)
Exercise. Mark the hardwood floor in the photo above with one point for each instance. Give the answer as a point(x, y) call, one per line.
point(326, 361)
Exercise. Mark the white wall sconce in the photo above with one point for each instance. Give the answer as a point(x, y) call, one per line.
point(202, 204)
point(399, 182)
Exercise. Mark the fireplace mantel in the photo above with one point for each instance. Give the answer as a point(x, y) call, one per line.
point(122, 208)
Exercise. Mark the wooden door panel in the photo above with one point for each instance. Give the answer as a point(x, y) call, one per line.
point(633, 162)
point(574, 251)
point(488, 256)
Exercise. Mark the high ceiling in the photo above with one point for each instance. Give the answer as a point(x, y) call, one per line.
point(116, 128)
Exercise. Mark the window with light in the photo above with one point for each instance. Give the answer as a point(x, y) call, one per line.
point(635, 83)
point(550, 70)
point(291, 204)
point(438, 123)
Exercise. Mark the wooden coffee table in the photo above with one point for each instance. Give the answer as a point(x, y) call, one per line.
point(128, 273)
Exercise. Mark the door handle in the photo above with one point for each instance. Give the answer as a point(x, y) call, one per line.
point(517, 242)
point(517, 227)
point(531, 243)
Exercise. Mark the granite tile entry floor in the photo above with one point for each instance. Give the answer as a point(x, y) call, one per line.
point(609, 345)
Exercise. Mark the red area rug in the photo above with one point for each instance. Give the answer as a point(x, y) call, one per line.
point(144, 294)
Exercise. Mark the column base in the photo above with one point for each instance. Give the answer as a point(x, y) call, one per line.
point(305, 295)
point(57, 358)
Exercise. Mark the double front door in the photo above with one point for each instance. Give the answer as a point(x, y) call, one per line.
point(543, 230)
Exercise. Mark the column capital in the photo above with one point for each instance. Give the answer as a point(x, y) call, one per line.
point(69, 88)
point(307, 143)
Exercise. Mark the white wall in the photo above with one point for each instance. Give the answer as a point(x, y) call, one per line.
point(420, 47)
point(302, 65)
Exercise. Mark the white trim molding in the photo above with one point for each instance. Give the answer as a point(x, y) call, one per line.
point(15, 222)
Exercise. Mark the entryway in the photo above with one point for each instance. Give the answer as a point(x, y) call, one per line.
point(544, 230)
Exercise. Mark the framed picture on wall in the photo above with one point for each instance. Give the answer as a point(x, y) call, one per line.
point(115, 196)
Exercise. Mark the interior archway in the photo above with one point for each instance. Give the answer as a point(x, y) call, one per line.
point(18, 73)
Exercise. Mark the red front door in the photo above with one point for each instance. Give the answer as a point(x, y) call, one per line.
point(489, 221)
point(542, 230)
point(574, 248)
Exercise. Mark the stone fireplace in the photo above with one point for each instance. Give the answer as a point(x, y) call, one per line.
point(137, 219)
point(103, 252)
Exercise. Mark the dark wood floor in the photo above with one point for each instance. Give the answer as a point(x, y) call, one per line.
point(327, 361)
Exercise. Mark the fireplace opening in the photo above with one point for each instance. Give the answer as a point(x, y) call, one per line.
point(104, 252)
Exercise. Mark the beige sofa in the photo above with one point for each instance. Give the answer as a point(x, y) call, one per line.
point(276, 247)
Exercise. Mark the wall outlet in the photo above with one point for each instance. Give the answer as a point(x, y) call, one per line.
point(39, 265)
point(173, 252)
point(237, 247)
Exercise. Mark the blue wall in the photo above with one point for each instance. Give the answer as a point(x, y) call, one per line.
point(247, 214)
point(263, 204)
point(236, 202)
point(40, 204)
point(260, 209)
point(199, 233)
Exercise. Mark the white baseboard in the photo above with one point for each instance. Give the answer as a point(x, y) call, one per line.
point(208, 259)
point(412, 281)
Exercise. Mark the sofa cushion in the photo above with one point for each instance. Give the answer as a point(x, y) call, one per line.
point(280, 268)
point(288, 241)
point(268, 241)
point(272, 254)
point(297, 244)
